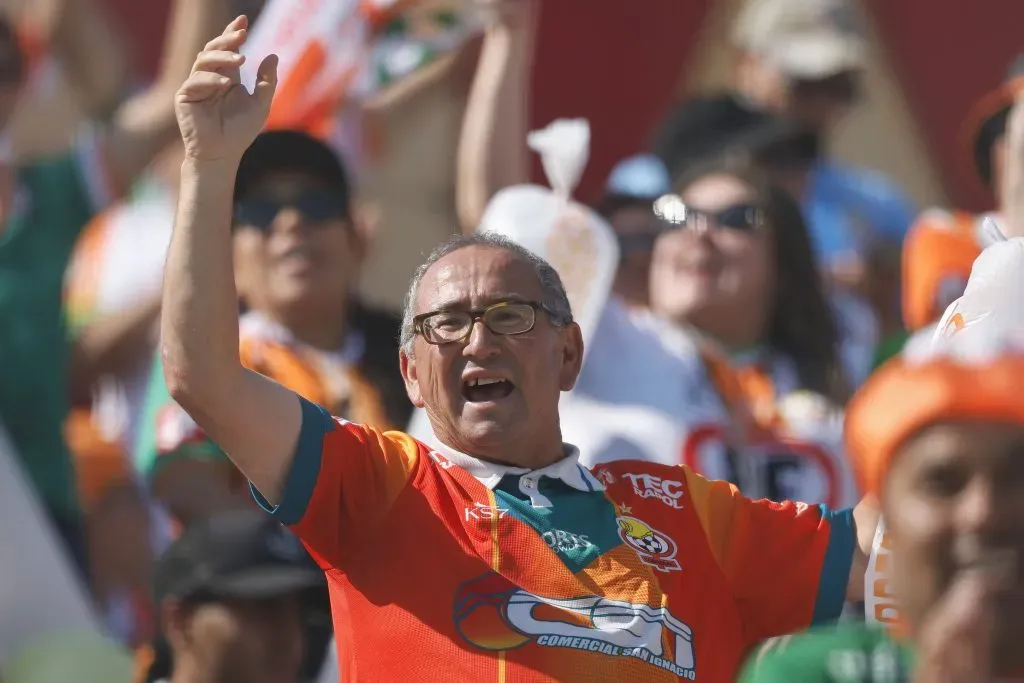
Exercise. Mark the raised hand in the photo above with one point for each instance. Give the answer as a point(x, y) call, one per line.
point(217, 116)
point(954, 643)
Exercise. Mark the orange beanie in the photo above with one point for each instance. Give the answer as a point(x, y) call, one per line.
point(905, 396)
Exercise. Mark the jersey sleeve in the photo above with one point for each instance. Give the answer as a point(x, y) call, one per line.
point(343, 480)
point(787, 564)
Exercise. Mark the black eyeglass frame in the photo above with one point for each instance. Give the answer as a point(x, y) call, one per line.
point(479, 314)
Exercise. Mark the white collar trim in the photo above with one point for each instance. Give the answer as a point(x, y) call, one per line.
point(568, 469)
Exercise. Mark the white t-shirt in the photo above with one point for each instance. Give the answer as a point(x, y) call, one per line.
point(645, 393)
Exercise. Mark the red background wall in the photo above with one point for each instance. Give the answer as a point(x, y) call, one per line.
point(618, 63)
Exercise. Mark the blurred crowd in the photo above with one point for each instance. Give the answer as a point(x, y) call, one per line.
point(754, 283)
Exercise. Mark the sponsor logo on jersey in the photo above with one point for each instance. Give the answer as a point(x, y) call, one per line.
point(654, 548)
point(648, 486)
point(493, 614)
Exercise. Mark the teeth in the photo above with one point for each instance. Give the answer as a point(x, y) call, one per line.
point(484, 382)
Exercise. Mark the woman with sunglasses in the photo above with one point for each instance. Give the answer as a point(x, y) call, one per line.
point(736, 371)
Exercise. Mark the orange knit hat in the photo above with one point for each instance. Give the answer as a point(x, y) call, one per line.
point(910, 393)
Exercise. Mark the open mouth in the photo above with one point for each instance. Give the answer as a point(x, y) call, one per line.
point(481, 390)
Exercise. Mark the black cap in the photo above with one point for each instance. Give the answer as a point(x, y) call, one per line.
point(241, 554)
point(291, 150)
point(706, 127)
point(987, 121)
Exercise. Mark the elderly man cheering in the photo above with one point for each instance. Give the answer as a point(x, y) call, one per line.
point(496, 557)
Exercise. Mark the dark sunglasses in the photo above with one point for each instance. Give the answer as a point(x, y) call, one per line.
point(674, 213)
point(316, 206)
point(841, 87)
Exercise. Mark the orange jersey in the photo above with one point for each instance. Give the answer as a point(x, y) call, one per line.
point(444, 567)
point(937, 257)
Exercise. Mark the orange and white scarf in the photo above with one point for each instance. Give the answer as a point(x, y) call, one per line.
point(330, 54)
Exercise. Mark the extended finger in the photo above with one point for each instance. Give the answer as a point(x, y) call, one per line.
point(266, 81)
point(203, 85)
point(217, 60)
point(231, 39)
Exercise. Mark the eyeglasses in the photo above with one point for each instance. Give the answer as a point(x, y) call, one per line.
point(742, 216)
point(504, 318)
point(317, 206)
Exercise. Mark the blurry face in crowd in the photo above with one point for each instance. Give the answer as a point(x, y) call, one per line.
point(635, 227)
point(718, 265)
point(294, 246)
point(242, 641)
point(510, 420)
point(954, 500)
point(820, 103)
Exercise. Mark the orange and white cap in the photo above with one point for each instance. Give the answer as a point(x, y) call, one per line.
point(963, 377)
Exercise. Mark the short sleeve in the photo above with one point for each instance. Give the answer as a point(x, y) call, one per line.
point(787, 564)
point(343, 480)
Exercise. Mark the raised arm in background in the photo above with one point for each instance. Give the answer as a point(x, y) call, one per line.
point(90, 50)
point(144, 125)
point(492, 149)
point(253, 419)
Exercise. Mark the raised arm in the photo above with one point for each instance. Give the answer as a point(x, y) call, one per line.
point(253, 419)
point(91, 52)
point(492, 151)
point(145, 124)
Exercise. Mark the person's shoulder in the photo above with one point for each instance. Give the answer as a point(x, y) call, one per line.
point(848, 653)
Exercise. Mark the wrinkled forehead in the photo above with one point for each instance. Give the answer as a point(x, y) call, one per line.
point(477, 276)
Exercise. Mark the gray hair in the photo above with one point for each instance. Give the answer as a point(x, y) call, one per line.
point(553, 295)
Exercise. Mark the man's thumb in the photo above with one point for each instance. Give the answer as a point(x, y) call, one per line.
point(266, 81)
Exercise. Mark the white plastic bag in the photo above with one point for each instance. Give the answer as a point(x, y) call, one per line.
point(992, 302)
point(572, 238)
point(576, 241)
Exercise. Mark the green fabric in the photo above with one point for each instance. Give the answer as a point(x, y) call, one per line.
point(578, 530)
point(889, 347)
point(843, 654)
point(149, 460)
point(53, 206)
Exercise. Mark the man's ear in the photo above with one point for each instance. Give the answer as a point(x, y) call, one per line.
point(572, 357)
point(407, 364)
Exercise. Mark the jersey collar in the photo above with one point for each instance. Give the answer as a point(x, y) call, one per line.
point(568, 469)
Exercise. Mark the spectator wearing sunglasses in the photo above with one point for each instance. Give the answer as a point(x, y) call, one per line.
point(805, 58)
point(628, 206)
point(728, 127)
point(297, 255)
point(736, 371)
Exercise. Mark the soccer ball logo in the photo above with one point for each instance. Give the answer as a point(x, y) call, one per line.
point(652, 547)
